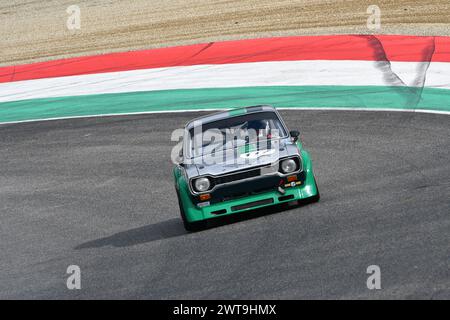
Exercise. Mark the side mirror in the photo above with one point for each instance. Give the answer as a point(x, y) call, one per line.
point(294, 135)
point(179, 159)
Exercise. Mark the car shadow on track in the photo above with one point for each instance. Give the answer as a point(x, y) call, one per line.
point(174, 228)
point(157, 231)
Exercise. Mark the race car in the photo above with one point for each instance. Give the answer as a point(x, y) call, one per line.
point(240, 160)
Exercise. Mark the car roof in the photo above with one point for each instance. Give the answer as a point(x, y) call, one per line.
point(228, 114)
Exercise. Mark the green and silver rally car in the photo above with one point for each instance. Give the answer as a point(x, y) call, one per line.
point(240, 160)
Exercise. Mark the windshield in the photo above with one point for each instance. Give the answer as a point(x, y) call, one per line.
point(250, 130)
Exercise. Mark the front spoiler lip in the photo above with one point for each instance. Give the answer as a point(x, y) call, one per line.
point(301, 192)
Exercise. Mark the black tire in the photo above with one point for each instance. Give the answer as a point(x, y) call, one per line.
point(189, 226)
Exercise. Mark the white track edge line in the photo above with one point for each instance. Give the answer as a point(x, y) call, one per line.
point(219, 109)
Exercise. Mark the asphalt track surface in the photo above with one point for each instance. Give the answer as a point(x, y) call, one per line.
point(98, 193)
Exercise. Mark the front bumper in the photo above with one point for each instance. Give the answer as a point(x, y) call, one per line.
point(305, 190)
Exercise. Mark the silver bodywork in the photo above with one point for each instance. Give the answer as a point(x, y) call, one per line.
point(268, 161)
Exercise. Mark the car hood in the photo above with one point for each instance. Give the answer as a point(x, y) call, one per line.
point(232, 160)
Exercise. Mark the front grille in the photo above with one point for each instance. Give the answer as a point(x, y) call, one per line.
point(237, 176)
point(252, 204)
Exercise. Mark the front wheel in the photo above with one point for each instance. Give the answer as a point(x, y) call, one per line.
point(189, 226)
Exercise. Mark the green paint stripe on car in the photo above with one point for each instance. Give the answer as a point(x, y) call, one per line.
point(367, 97)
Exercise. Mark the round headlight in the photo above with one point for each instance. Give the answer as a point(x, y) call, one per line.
point(288, 166)
point(202, 184)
